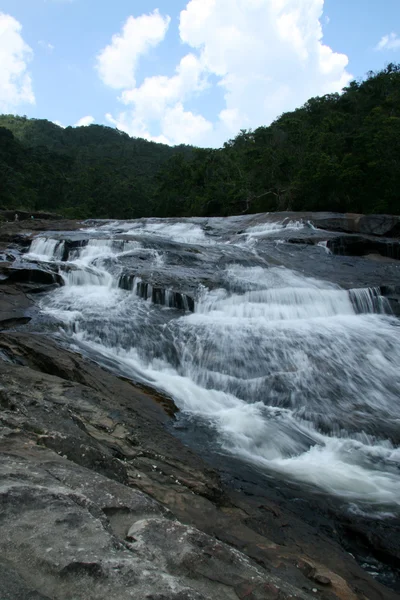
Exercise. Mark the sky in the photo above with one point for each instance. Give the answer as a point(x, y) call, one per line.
point(179, 71)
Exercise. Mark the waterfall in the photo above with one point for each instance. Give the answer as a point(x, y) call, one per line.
point(369, 300)
point(46, 249)
point(290, 373)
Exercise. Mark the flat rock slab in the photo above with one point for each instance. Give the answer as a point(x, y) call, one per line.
point(71, 533)
point(99, 501)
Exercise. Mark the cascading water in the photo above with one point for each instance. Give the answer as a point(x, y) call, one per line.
point(46, 249)
point(291, 373)
point(267, 229)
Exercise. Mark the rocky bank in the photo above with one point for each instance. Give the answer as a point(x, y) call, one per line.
point(100, 501)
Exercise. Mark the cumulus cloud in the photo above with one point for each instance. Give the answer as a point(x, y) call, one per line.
point(15, 54)
point(151, 98)
point(266, 56)
point(118, 61)
point(181, 126)
point(160, 100)
point(85, 121)
point(391, 41)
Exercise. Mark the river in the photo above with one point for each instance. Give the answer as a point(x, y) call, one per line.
point(279, 355)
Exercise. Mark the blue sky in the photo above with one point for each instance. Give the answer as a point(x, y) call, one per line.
point(185, 71)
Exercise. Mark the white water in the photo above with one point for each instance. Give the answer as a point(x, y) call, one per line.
point(267, 229)
point(184, 232)
point(292, 374)
point(45, 249)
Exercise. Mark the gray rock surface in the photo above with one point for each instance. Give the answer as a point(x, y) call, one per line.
point(100, 501)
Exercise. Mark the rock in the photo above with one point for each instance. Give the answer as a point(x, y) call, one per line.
point(362, 246)
point(165, 297)
point(88, 474)
point(392, 294)
point(322, 579)
point(21, 233)
point(71, 246)
point(68, 525)
point(14, 305)
point(157, 294)
point(30, 274)
point(13, 587)
point(377, 225)
point(100, 501)
point(9, 215)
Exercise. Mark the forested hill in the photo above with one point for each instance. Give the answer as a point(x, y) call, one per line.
point(81, 172)
point(338, 152)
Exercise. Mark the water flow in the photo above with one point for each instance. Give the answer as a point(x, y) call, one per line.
point(293, 374)
point(46, 249)
point(268, 229)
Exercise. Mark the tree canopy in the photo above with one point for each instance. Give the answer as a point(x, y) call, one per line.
point(338, 152)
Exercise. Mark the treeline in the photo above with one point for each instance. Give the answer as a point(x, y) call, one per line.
point(338, 152)
point(80, 172)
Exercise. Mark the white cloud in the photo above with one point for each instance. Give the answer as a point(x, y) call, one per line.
point(160, 98)
point(267, 57)
point(46, 46)
point(268, 54)
point(152, 97)
point(135, 128)
point(389, 42)
point(117, 62)
point(85, 121)
point(184, 127)
point(15, 80)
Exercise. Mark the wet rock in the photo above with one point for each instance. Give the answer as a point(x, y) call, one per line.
point(392, 294)
point(14, 305)
point(157, 295)
point(71, 246)
point(378, 225)
point(20, 234)
point(99, 500)
point(30, 274)
point(71, 523)
point(303, 240)
point(362, 246)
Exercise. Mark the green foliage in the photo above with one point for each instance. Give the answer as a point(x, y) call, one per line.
point(80, 172)
point(338, 152)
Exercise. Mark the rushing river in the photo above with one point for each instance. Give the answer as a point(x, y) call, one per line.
point(288, 372)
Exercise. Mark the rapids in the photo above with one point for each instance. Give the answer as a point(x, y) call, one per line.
point(287, 370)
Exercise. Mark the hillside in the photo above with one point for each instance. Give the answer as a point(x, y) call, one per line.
point(83, 171)
point(338, 152)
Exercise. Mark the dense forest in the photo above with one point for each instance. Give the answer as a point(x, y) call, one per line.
point(338, 152)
